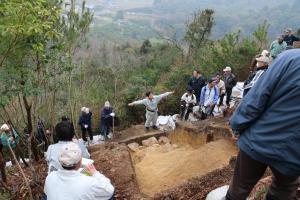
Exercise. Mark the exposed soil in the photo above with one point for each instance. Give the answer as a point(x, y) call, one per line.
point(114, 161)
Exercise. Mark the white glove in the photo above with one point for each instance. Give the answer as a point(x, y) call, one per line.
point(112, 114)
point(86, 126)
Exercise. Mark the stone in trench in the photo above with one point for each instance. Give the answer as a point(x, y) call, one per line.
point(150, 142)
point(163, 140)
point(133, 146)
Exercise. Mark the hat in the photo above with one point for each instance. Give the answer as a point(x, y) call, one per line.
point(288, 30)
point(227, 69)
point(70, 155)
point(265, 53)
point(4, 127)
point(82, 109)
point(106, 104)
point(263, 59)
point(190, 89)
point(86, 110)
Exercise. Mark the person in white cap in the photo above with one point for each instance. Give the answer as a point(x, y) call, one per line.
point(85, 122)
point(106, 120)
point(277, 46)
point(261, 66)
point(289, 37)
point(10, 138)
point(65, 133)
point(230, 82)
point(150, 102)
point(71, 184)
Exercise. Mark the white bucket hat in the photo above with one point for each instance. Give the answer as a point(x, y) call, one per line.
point(263, 59)
point(227, 69)
point(86, 110)
point(106, 104)
point(82, 109)
point(70, 155)
point(4, 127)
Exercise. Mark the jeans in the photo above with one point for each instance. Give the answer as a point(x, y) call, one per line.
point(228, 95)
point(248, 172)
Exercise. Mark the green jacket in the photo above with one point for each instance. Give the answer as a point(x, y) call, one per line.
point(277, 48)
point(13, 143)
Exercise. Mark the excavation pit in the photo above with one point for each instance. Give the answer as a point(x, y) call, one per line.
point(190, 153)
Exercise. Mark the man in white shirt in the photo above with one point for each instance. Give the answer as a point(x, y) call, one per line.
point(150, 102)
point(65, 134)
point(71, 184)
point(188, 101)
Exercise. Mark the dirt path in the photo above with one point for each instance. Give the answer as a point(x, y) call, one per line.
point(158, 170)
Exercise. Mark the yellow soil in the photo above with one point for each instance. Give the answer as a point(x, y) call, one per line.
point(159, 170)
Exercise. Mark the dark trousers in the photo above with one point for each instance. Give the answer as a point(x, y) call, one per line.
point(248, 172)
point(221, 99)
point(185, 110)
point(228, 95)
point(84, 130)
point(105, 127)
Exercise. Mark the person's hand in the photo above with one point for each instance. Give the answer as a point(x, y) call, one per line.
point(91, 169)
point(130, 104)
point(86, 126)
point(112, 114)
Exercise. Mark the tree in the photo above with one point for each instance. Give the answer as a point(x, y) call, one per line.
point(199, 30)
point(261, 35)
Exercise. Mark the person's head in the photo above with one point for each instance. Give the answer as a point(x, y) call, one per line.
point(265, 53)
point(5, 128)
point(83, 109)
point(70, 156)
point(65, 118)
point(106, 104)
point(288, 32)
point(190, 91)
point(217, 78)
point(280, 39)
point(211, 83)
point(262, 61)
point(64, 131)
point(227, 70)
point(149, 95)
point(196, 73)
point(86, 111)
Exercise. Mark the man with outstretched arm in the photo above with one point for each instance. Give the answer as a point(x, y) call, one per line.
point(151, 101)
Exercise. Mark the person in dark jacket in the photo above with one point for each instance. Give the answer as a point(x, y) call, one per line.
point(85, 122)
point(289, 37)
point(197, 82)
point(230, 82)
point(106, 119)
point(266, 124)
point(261, 67)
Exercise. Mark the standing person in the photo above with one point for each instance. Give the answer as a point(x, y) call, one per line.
point(150, 102)
point(41, 133)
point(197, 82)
point(188, 101)
point(261, 66)
point(70, 184)
point(65, 134)
point(230, 82)
point(289, 37)
point(106, 119)
point(221, 88)
point(266, 124)
point(277, 46)
point(85, 122)
point(209, 97)
point(10, 139)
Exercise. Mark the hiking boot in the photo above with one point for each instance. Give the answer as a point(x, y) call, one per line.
point(155, 127)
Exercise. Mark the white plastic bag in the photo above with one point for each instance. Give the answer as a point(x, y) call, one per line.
point(218, 194)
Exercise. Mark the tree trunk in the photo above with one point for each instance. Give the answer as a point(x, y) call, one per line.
point(32, 147)
point(2, 168)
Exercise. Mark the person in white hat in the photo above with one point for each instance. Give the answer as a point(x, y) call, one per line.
point(261, 67)
point(85, 122)
point(71, 184)
point(230, 82)
point(106, 123)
